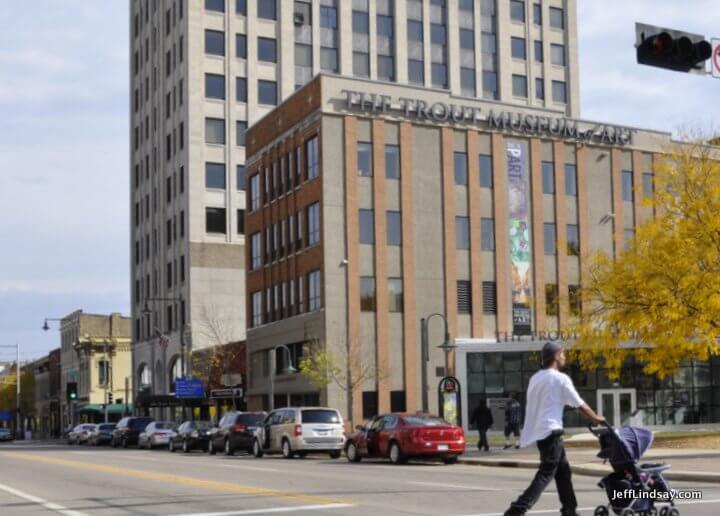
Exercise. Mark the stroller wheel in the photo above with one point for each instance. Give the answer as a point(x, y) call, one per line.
point(664, 511)
point(673, 512)
point(627, 512)
point(601, 510)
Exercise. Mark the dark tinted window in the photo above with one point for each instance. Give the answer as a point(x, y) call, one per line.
point(320, 416)
point(424, 421)
point(249, 419)
point(106, 427)
point(139, 423)
point(166, 425)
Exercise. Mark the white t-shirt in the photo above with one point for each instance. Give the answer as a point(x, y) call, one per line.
point(548, 393)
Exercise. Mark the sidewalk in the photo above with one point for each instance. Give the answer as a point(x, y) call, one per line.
point(695, 465)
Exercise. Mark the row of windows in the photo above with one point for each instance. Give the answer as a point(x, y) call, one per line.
point(173, 226)
point(215, 87)
point(518, 51)
point(216, 221)
point(368, 297)
point(173, 183)
point(286, 237)
point(215, 131)
point(215, 176)
point(175, 275)
point(266, 9)
point(552, 299)
point(464, 297)
point(177, 11)
point(285, 174)
point(286, 299)
point(146, 326)
point(520, 88)
point(517, 13)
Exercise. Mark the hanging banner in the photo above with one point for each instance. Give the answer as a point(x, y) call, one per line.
point(519, 228)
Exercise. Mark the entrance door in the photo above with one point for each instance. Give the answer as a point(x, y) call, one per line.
point(616, 405)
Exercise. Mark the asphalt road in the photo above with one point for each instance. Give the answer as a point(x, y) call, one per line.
point(73, 481)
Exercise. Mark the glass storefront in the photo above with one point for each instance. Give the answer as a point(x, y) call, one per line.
point(691, 396)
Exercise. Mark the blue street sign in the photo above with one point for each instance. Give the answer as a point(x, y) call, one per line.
point(7, 415)
point(189, 388)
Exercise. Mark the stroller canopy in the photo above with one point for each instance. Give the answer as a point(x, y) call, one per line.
point(632, 443)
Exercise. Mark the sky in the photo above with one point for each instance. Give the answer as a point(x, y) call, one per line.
point(64, 176)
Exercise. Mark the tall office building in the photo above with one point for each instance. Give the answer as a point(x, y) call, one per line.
point(202, 71)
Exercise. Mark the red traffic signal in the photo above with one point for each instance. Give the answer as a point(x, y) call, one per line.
point(671, 49)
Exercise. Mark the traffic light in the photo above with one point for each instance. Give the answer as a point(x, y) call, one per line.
point(71, 391)
point(671, 49)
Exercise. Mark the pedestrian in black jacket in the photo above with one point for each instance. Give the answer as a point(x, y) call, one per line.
point(482, 419)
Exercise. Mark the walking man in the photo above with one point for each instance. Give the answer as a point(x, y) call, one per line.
point(512, 421)
point(482, 419)
point(548, 393)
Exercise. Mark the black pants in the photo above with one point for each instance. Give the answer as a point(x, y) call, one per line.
point(483, 442)
point(553, 464)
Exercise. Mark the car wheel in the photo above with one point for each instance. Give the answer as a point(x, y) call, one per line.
point(396, 454)
point(185, 446)
point(601, 510)
point(452, 459)
point(286, 449)
point(228, 447)
point(171, 446)
point(211, 448)
point(301, 454)
point(257, 450)
point(124, 443)
point(351, 453)
point(335, 454)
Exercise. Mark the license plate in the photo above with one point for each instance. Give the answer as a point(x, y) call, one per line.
point(442, 447)
point(251, 428)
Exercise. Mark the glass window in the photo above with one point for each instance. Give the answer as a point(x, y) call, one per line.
point(241, 128)
point(360, 22)
point(241, 89)
point(329, 59)
point(255, 250)
point(517, 46)
point(573, 240)
point(386, 68)
point(214, 86)
point(557, 54)
point(240, 177)
point(267, 92)
point(255, 192)
point(364, 157)
point(215, 175)
point(215, 130)
point(256, 309)
point(551, 299)
point(537, 14)
point(311, 155)
point(314, 296)
point(519, 85)
point(240, 7)
point(215, 220)
point(395, 295)
point(538, 51)
point(438, 73)
point(467, 39)
point(570, 179)
point(267, 9)
point(486, 171)
point(392, 161)
point(267, 50)
point(467, 81)
point(215, 5)
point(361, 64)
point(241, 46)
point(548, 177)
point(647, 184)
point(394, 228)
point(303, 55)
point(313, 223)
point(487, 234)
point(328, 17)
point(575, 299)
point(415, 30)
point(559, 92)
point(557, 18)
point(438, 34)
point(462, 233)
point(627, 185)
point(214, 42)
point(517, 10)
point(367, 294)
point(367, 226)
point(540, 88)
point(490, 84)
point(461, 171)
point(550, 239)
point(416, 71)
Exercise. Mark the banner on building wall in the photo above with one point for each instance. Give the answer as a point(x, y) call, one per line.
point(519, 229)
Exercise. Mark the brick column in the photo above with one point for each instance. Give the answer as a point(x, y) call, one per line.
point(500, 202)
point(448, 191)
point(616, 171)
point(475, 233)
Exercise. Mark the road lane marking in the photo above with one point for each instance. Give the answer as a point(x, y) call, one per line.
point(273, 510)
point(208, 463)
point(454, 486)
point(39, 501)
point(175, 479)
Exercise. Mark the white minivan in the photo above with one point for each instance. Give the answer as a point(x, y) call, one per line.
point(297, 431)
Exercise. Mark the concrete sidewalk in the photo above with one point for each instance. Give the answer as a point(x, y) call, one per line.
point(695, 465)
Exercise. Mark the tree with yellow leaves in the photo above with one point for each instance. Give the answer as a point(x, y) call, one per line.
point(663, 291)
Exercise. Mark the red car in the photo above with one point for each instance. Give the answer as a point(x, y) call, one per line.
point(402, 436)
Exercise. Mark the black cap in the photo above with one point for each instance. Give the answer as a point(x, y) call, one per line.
point(549, 350)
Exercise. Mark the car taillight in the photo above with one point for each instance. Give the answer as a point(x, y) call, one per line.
point(239, 428)
point(459, 434)
point(298, 430)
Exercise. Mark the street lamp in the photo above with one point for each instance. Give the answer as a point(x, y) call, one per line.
point(447, 346)
point(45, 326)
point(287, 370)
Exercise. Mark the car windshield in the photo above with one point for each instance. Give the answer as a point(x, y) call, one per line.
point(202, 425)
point(249, 419)
point(164, 425)
point(139, 424)
point(88, 427)
point(425, 421)
point(106, 427)
point(320, 416)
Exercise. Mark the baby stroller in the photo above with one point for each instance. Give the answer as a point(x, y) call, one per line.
point(632, 489)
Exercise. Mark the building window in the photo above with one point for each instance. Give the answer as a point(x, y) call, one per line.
point(460, 167)
point(385, 68)
point(313, 223)
point(489, 293)
point(550, 239)
point(538, 51)
point(647, 184)
point(241, 222)
point(551, 299)
point(267, 50)
point(311, 157)
point(394, 228)
point(215, 5)
point(519, 86)
point(267, 92)
point(628, 236)
point(240, 178)
point(573, 240)
point(462, 233)
point(575, 299)
point(557, 18)
point(487, 234)
point(392, 161)
point(241, 46)
point(215, 130)
point(214, 42)
point(517, 46)
point(416, 72)
point(557, 54)
point(570, 179)
point(255, 250)
point(464, 297)
point(240, 7)
point(537, 14)
point(438, 75)
point(395, 295)
point(267, 9)
point(490, 84)
point(627, 185)
point(548, 177)
point(367, 226)
point(367, 294)
point(559, 92)
point(517, 10)
point(240, 129)
point(214, 86)
point(241, 89)
point(361, 64)
point(256, 309)
point(215, 175)
point(486, 171)
point(254, 192)
point(215, 220)
point(329, 59)
point(314, 298)
point(467, 81)
point(540, 88)
point(364, 159)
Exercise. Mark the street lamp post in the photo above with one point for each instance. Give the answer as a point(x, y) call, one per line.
point(286, 370)
point(446, 346)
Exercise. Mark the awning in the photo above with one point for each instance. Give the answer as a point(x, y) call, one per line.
point(96, 408)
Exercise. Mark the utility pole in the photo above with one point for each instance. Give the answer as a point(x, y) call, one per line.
point(106, 366)
point(17, 394)
point(127, 388)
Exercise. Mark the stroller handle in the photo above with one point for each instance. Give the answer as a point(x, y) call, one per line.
point(591, 427)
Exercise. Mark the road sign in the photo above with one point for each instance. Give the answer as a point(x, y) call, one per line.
point(189, 388)
point(715, 58)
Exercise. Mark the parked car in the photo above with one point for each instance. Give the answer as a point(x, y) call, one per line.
point(191, 435)
point(101, 434)
point(235, 431)
point(6, 434)
point(403, 436)
point(299, 431)
point(82, 437)
point(157, 433)
point(127, 431)
point(75, 434)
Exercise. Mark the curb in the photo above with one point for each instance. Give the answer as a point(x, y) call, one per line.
point(589, 470)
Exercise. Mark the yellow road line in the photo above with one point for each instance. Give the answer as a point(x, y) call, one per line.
point(174, 479)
